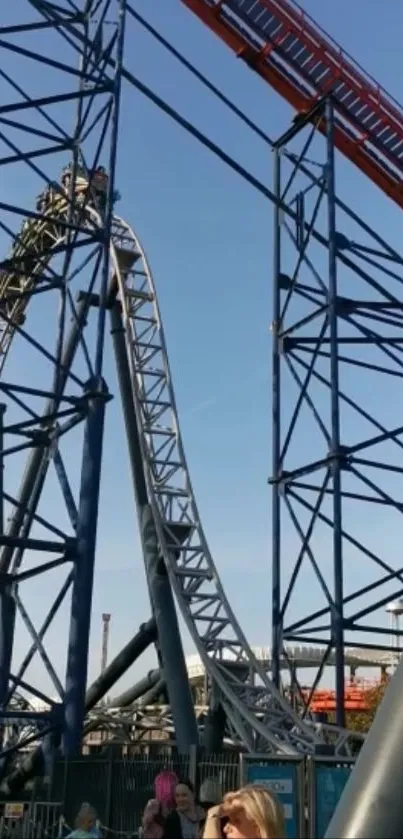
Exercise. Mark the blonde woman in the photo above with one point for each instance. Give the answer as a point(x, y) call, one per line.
point(250, 813)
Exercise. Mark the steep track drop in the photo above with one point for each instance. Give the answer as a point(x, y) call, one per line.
point(258, 716)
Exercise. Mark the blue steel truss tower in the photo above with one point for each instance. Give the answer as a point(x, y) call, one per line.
point(337, 313)
point(60, 107)
point(70, 258)
point(337, 435)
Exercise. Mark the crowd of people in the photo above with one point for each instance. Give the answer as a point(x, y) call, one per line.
point(251, 812)
point(175, 812)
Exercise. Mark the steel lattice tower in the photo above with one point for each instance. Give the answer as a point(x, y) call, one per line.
point(337, 344)
point(84, 275)
point(337, 442)
point(60, 105)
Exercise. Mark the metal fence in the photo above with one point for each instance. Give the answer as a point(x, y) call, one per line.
point(120, 788)
point(32, 820)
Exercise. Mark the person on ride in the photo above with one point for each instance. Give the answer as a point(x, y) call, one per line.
point(184, 822)
point(251, 812)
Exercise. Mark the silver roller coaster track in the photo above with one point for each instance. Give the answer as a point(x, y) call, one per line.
point(259, 718)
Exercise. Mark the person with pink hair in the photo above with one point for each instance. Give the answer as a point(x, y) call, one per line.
point(158, 808)
point(165, 785)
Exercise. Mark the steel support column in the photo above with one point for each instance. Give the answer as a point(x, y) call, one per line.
point(77, 654)
point(7, 623)
point(7, 601)
point(124, 700)
point(169, 643)
point(276, 640)
point(174, 665)
point(337, 615)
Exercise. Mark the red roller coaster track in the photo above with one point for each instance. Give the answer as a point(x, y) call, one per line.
point(302, 63)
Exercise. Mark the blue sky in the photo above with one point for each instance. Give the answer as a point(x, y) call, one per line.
point(208, 239)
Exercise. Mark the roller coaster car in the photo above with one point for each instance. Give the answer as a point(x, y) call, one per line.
point(99, 180)
point(99, 188)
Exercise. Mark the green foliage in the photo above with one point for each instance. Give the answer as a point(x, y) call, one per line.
point(362, 720)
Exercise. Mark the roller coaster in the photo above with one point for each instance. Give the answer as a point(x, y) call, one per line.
point(255, 711)
point(247, 707)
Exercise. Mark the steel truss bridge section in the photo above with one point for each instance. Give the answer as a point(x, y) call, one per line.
point(304, 658)
point(281, 43)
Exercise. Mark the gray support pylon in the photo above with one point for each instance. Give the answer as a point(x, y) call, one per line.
point(371, 806)
point(174, 665)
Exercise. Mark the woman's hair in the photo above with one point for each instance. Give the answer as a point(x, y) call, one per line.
point(186, 783)
point(86, 813)
point(164, 786)
point(260, 806)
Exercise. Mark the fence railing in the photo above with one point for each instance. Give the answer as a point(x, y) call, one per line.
point(30, 820)
point(120, 788)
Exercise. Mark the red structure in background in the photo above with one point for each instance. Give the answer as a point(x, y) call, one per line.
point(278, 40)
point(359, 696)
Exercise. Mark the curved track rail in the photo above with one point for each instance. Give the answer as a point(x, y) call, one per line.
point(258, 716)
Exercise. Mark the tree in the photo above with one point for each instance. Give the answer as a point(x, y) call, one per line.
point(362, 720)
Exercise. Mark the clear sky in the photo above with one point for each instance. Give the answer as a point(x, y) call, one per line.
point(208, 239)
